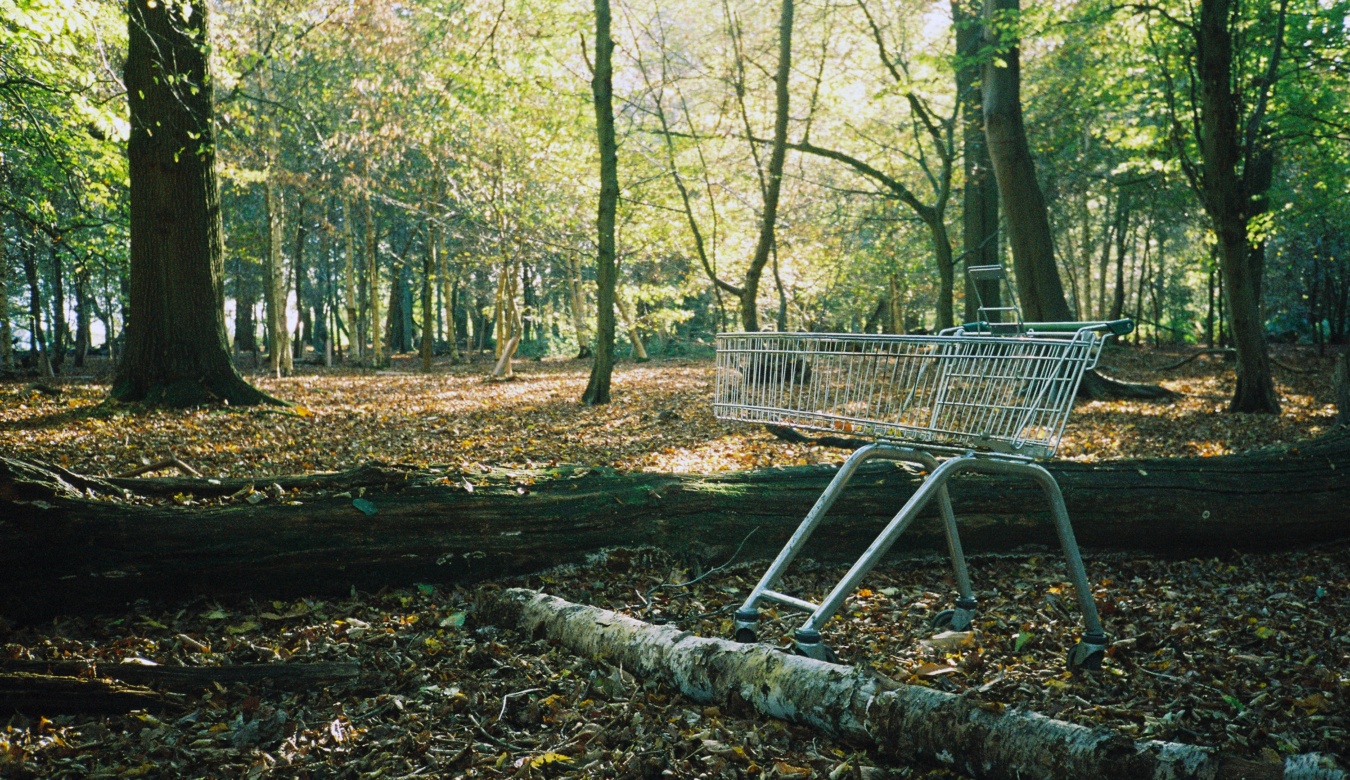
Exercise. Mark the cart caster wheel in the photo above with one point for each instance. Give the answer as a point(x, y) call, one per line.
point(807, 643)
point(817, 650)
point(746, 636)
point(951, 620)
point(1085, 656)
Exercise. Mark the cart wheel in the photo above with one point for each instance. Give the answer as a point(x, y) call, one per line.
point(817, 650)
point(943, 620)
point(1088, 657)
point(746, 636)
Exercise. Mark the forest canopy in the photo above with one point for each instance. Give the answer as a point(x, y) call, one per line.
point(426, 171)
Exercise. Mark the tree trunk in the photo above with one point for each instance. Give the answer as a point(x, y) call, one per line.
point(356, 338)
point(278, 333)
point(774, 183)
point(62, 552)
point(6, 343)
point(1228, 200)
point(1340, 382)
point(1033, 249)
point(372, 278)
point(304, 326)
point(37, 343)
point(911, 722)
point(82, 329)
point(629, 320)
point(979, 213)
point(245, 300)
point(602, 90)
point(578, 306)
point(58, 336)
point(176, 351)
point(430, 263)
point(508, 330)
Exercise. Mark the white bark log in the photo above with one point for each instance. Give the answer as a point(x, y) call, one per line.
point(910, 722)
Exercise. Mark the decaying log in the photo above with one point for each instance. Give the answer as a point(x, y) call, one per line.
point(910, 722)
point(46, 694)
point(71, 543)
point(193, 678)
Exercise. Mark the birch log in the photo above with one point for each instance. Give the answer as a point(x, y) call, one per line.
point(909, 722)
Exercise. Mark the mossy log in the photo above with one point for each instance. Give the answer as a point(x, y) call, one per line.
point(72, 543)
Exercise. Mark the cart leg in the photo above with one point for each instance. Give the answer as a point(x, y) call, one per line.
point(959, 618)
point(1088, 652)
point(747, 617)
point(807, 638)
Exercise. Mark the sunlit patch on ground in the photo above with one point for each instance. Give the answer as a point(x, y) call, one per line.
point(660, 420)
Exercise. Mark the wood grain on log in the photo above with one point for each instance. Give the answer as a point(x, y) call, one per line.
point(45, 694)
point(192, 678)
point(910, 722)
point(62, 551)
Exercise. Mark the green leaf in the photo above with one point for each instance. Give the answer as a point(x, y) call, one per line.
point(1023, 639)
point(369, 509)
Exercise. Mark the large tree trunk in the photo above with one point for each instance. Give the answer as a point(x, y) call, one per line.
point(602, 90)
point(1033, 249)
point(910, 722)
point(1228, 198)
point(60, 551)
point(979, 213)
point(176, 350)
point(773, 184)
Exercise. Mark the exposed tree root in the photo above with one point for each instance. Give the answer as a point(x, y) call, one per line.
point(1097, 386)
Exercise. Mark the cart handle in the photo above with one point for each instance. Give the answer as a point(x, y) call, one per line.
point(1113, 327)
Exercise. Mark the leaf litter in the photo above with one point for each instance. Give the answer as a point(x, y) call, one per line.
point(1202, 651)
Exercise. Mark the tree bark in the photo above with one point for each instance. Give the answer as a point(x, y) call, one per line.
point(35, 694)
point(372, 273)
point(356, 337)
point(278, 335)
point(6, 344)
point(1228, 198)
point(910, 722)
point(245, 299)
point(602, 90)
point(195, 678)
point(430, 262)
point(979, 211)
point(61, 551)
point(176, 350)
point(1033, 249)
point(774, 183)
point(1340, 382)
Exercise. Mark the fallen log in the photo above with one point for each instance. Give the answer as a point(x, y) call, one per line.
point(46, 694)
point(906, 721)
point(71, 543)
point(192, 678)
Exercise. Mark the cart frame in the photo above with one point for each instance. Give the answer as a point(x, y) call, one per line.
point(988, 397)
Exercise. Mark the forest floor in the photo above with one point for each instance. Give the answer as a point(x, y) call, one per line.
point(1249, 653)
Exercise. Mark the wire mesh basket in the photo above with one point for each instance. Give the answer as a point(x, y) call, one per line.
point(962, 389)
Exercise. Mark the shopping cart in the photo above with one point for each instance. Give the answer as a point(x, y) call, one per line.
point(988, 397)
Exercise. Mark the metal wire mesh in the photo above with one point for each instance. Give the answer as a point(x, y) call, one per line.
point(992, 393)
